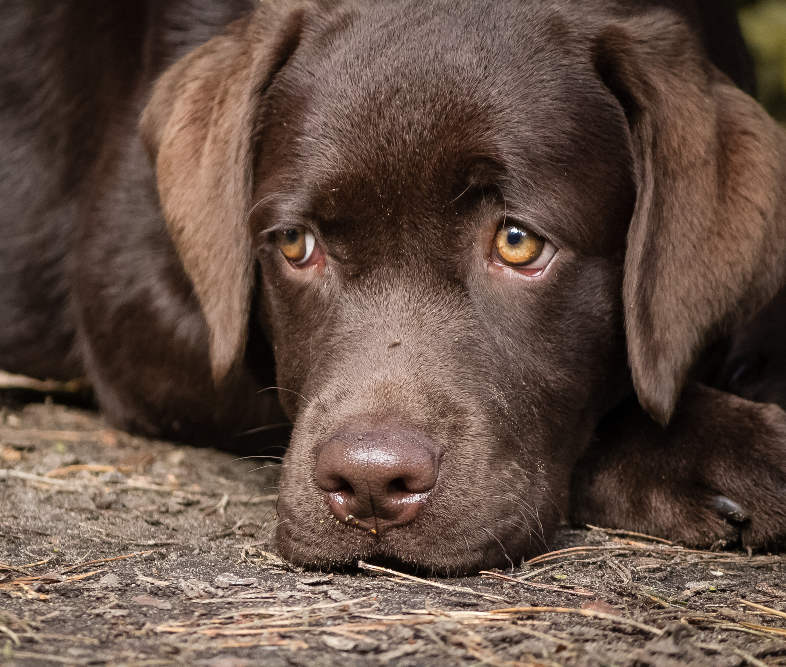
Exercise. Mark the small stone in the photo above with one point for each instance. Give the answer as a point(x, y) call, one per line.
point(110, 580)
point(104, 501)
point(339, 643)
point(336, 595)
point(113, 477)
point(600, 606)
point(150, 601)
point(194, 588)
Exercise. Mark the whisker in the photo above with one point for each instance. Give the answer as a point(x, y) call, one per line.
point(272, 465)
point(260, 429)
point(501, 546)
point(258, 456)
point(261, 202)
point(463, 192)
point(274, 489)
point(291, 391)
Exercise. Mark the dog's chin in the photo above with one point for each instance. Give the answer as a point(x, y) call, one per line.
point(340, 548)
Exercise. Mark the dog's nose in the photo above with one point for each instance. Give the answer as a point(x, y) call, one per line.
point(377, 479)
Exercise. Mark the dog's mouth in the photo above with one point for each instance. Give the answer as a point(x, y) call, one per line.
point(417, 549)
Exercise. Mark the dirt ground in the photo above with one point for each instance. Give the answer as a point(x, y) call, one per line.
point(118, 550)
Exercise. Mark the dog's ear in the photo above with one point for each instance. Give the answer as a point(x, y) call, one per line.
point(198, 128)
point(707, 241)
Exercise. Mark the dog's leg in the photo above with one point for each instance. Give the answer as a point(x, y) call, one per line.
point(716, 475)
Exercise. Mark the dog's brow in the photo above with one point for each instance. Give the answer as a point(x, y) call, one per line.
point(264, 201)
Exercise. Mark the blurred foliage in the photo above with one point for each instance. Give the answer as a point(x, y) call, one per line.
point(764, 26)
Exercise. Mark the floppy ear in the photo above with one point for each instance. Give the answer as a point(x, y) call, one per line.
point(707, 242)
point(198, 128)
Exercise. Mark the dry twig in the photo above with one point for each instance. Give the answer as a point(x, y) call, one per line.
point(767, 610)
point(573, 590)
point(418, 580)
point(630, 533)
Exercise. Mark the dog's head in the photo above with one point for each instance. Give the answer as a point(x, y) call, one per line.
point(469, 225)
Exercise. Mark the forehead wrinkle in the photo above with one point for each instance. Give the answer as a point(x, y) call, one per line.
point(391, 110)
point(396, 149)
point(416, 100)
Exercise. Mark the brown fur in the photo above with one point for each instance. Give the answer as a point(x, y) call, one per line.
point(402, 134)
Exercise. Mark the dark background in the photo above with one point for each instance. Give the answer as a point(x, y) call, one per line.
point(764, 25)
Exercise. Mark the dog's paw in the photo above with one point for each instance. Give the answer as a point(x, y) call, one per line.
point(716, 477)
point(752, 502)
point(683, 511)
point(714, 521)
point(743, 527)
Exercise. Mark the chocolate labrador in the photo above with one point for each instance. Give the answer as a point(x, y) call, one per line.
point(505, 261)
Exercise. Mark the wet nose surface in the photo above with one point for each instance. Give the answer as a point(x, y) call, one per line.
point(377, 479)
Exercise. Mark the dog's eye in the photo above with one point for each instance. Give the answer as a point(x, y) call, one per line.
point(297, 245)
point(518, 247)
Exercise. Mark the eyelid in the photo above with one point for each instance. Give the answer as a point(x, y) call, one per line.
point(284, 226)
point(524, 221)
point(268, 235)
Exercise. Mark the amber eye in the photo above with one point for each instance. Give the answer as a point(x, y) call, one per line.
point(296, 244)
point(518, 246)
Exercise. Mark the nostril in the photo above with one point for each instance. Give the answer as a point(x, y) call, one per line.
point(344, 488)
point(333, 483)
point(398, 487)
point(404, 489)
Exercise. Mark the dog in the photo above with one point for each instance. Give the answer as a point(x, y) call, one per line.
point(503, 262)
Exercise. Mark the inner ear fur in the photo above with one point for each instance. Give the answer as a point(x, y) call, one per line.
point(706, 245)
point(198, 128)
